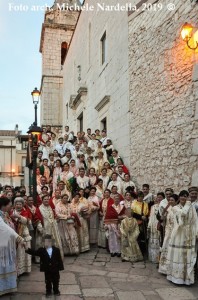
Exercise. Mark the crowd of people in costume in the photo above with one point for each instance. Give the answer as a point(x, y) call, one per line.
point(85, 196)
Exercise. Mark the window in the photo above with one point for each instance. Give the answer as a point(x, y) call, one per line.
point(104, 124)
point(24, 145)
point(63, 52)
point(103, 48)
point(80, 122)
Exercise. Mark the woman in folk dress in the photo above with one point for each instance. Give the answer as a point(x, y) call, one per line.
point(80, 206)
point(168, 216)
point(94, 217)
point(20, 218)
point(104, 204)
point(66, 226)
point(182, 255)
point(153, 232)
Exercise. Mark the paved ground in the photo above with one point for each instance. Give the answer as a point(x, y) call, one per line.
point(97, 276)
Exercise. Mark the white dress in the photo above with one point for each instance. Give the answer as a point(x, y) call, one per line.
point(181, 257)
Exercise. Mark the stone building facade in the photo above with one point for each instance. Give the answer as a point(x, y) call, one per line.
point(95, 75)
point(56, 33)
point(131, 73)
point(163, 87)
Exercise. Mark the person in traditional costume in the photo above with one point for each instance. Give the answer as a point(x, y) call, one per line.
point(68, 177)
point(100, 162)
point(113, 159)
point(93, 142)
point(100, 149)
point(164, 202)
point(113, 216)
point(80, 206)
point(104, 204)
point(140, 212)
point(43, 182)
point(66, 226)
point(8, 240)
point(73, 167)
point(193, 195)
point(114, 193)
point(31, 209)
point(109, 148)
point(115, 182)
point(148, 196)
point(127, 183)
point(19, 216)
point(153, 233)
point(94, 217)
point(104, 177)
point(56, 173)
point(90, 163)
point(168, 216)
point(63, 189)
point(92, 177)
point(181, 256)
point(109, 169)
point(128, 200)
point(46, 223)
point(120, 163)
point(162, 212)
point(54, 200)
point(82, 180)
point(45, 170)
point(129, 229)
point(99, 189)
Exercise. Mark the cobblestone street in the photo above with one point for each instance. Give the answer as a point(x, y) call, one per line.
point(97, 276)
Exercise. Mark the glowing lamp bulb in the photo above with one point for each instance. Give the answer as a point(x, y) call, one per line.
point(186, 32)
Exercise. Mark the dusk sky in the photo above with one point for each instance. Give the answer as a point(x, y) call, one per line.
point(20, 62)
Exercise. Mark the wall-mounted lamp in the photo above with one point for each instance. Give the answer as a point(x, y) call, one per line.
point(79, 72)
point(189, 35)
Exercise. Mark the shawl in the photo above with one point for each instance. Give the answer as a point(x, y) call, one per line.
point(7, 244)
point(113, 214)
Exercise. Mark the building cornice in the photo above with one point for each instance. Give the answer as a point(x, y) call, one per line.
point(102, 103)
point(75, 100)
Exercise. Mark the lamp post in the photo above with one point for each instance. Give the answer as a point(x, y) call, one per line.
point(35, 97)
point(35, 131)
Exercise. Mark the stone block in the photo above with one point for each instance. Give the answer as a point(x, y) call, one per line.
point(93, 281)
point(31, 287)
point(67, 278)
point(70, 289)
point(179, 293)
point(130, 295)
point(97, 292)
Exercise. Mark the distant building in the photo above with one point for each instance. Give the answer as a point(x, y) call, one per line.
point(13, 152)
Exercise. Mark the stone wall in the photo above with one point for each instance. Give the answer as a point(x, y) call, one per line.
point(58, 27)
point(163, 98)
point(107, 85)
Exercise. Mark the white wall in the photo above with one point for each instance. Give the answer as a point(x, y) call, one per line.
point(110, 79)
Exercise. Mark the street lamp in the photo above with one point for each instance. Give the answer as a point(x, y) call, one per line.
point(189, 35)
point(35, 98)
point(34, 131)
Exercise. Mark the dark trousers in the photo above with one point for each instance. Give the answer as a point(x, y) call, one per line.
point(52, 279)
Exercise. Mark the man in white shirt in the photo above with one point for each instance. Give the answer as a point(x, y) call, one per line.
point(115, 182)
point(104, 138)
point(76, 152)
point(82, 180)
point(163, 204)
point(93, 143)
point(127, 182)
point(60, 147)
point(105, 178)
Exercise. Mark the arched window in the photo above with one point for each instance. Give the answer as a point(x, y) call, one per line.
point(63, 52)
